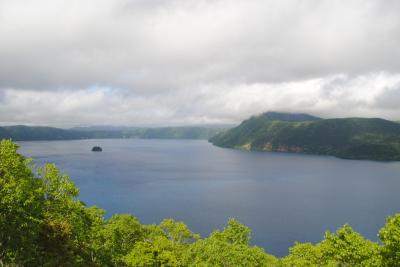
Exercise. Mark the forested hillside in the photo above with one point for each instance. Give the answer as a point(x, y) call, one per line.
point(21, 132)
point(29, 133)
point(43, 223)
point(351, 138)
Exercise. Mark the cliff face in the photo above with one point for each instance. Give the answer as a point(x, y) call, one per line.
point(354, 138)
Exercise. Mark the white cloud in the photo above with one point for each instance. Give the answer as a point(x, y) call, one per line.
point(331, 96)
point(191, 61)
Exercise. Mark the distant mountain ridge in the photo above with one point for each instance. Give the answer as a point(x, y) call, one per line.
point(31, 133)
point(22, 132)
point(350, 138)
point(281, 116)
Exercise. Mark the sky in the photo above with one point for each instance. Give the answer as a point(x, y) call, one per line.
point(189, 62)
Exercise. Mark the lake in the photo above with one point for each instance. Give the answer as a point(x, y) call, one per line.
point(282, 197)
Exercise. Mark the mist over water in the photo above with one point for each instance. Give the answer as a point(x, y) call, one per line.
point(282, 197)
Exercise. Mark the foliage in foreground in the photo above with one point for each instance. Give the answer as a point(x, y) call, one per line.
point(42, 223)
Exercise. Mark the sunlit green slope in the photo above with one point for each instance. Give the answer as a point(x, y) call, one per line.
point(351, 138)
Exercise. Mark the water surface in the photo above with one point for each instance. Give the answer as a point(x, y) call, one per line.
point(282, 197)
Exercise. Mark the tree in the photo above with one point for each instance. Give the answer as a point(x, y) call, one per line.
point(164, 245)
point(305, 255)
point(229, 247)
point(390, 236)
point(21, 206)
point(117, 238)
point(42, 223)
point(348, 247)
point(343, 248)
point(69, 227)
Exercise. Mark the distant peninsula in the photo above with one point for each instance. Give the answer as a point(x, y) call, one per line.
point(37, 133)
point(349, 138)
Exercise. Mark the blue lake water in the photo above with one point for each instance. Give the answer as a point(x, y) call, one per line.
point(282, 197)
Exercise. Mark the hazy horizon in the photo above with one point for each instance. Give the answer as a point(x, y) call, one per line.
point(126, 126)
point(169, 63)
point(204, 125)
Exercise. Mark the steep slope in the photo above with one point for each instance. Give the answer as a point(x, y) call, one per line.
point(352, 138)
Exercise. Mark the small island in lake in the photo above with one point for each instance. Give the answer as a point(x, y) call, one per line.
point(97, 149)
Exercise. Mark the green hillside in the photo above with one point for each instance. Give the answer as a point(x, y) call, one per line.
point(351, 138)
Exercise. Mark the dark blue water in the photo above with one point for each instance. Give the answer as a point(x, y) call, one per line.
point(282, 197)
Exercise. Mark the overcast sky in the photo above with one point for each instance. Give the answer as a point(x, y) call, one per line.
point(180, 62)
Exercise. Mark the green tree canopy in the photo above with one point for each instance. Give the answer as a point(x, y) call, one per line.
point(43, 223)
